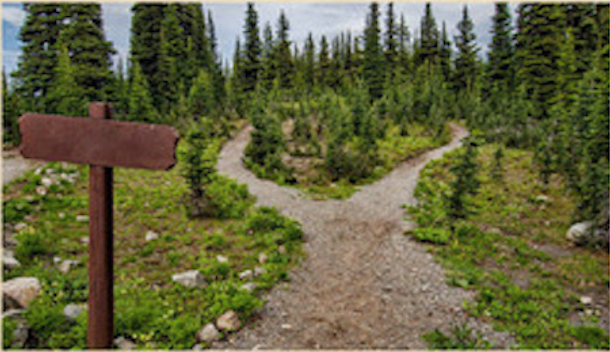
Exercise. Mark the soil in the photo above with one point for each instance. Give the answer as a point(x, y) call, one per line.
point(364, 284)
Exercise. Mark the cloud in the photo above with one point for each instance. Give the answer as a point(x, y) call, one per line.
point(13, 14)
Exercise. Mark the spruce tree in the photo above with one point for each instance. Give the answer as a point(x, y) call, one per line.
point(404, 40)
point(391, 40)
point(36, 67)
point(218, 77)
point(285, 65)
point(501, 65)
point(141, 106)
point(373, 67)
point(310, 61)
point(465, 184)
point(428, 39)
point(201, 98)
point(445, 55)
point(251, 64)
point(90, 52)
point(10, 113)
point(324, 63)
point(466, 56)
point(268, 58)
point(65, 96)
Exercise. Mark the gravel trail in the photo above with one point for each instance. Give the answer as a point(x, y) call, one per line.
point(14, 165)
point(364, 284)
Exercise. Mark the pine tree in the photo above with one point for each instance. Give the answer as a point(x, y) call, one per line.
point(201, 98)
point(310, 64)
point(336, 66)
point(251, 65)
point(268, 58)
point(466, 182)
point(174, 47)
point(90, 52)
point(373, 68)
point(324, 63)
point(391, 40)
point(285, 65)
point(428, 39)
point(141, 106)
point(445, 55)
point(146, 47)
point(404, 40)
point(466, 56)
point(38, 58)
point(501, 65)
point(580, 18)
point(65, 96)
point(10, 113)
point(218, 77)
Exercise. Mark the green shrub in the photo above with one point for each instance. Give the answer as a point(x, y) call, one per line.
point(229, 199)
point(46, 318)
point(8, 327)
point(591, 336)
point(462, 339)
point(32, 243)
point(432, 235)
point(15, 210)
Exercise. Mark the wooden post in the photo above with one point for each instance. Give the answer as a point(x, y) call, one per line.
point(100, 328)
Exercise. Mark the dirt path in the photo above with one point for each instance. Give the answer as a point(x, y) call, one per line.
point(363, 284)
point(14, 165)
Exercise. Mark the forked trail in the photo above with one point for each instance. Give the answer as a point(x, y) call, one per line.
point(364, 284)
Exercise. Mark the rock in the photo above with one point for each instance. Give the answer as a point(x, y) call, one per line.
point(586, 300)
point(262, 258)
point(84, 240)
point(82, 218)
point(124, 344)
point(198, 347)
point(41, 191)
point(583, 233)
point(72, 311)
point(208, 333)
point(13, 313)
point(286, 327)
point(258, 271)
point(20, 335)
point(281, 249)
point(151, 236)
point(222, 259)
point(48, 171)
point(61, 216)
point(67, 265)
point(191, 278)
point(46, 182)
point(9, 260)
point(250, 286)
point(56, 260)
point(229, 321)
point(246, 274)
point(38, 171)
point(20, 226)
point(542, 198)
point(21, 290)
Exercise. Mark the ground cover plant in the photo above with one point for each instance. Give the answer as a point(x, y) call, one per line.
point(150, 309)
point(511, 249)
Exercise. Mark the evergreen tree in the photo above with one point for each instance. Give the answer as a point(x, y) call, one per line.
point(391, 40)
point(404, 40)
point(38, 58)
point(251, 65)
point(141, 106)
point(324, 63)
point(218, 77)
point(373, 68)
point(285, 65)
point(428, 39)
point(465, 183)
point(65, 96)
point(268, 58)
point(580, 18)
point(146, 47)
point(445, 55)
point(90, 53)
point(310, 64)
point(501, 68)
point(466, 56)
point(10, 113)
point(201, 98)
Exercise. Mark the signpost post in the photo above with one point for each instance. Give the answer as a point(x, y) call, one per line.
point(103, 144)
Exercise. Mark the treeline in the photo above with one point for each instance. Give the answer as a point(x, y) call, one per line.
point(543, 85)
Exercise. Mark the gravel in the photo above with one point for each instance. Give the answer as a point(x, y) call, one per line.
point(364, 284)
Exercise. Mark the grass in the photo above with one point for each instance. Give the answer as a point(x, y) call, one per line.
point(512, 251)
point(150, 309)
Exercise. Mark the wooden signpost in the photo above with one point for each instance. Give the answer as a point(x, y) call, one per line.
point(103, 144)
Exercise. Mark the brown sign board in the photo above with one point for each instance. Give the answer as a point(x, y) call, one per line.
point(99, 142)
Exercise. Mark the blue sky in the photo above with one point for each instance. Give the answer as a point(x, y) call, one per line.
point(320, 18)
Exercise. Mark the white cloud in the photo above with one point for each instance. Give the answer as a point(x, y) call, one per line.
point(13, 14)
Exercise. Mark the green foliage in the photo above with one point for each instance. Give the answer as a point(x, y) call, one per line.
point(432, 235)
point(229, 199)
point(465, 184)
point(32, 243)
point(65, 96)
point(462, 338)
point(140, 102)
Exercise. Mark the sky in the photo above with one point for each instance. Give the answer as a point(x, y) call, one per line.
point(321, 18)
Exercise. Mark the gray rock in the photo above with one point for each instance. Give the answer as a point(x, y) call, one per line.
point(56, 260)
point(151, 236)
point(84, 240)
point(262, 258)
point(20, 335)
point(586, 300)
point(258, 271)
point(124, 344)
point(246, 274)
point(20, 226)
point(229, 321)
point(191, 278)
point(82, 218)
point(13, 313)
point(222, 259)
point(542, 198)
point(281, 249)
point(21, 290)
point(584, 233)
point(208, 333)
point(46, 182)
point(41, 191)
point(250, 286)
point(67, 265)
point(198, 347)
point(72, 311)
point(9, 261)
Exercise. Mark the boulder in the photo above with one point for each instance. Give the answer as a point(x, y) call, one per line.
point(229, 321)
point(191, 278)
point(72, 311)
point(151, 236)
point(20, 290)
point(208, 333)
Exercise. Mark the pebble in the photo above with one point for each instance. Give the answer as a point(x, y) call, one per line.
point(20, 226)
point(586, 300)
point(286, 327)
point(246, 274)
point(41, 191)
point(82, 218)
point(124, 344)
point(191, 278)
point(281, 249)
point(151, 236)
point(228, 321)
point(208, 333)
point(262, 258)
point(67, 265)
point(222, 259)
point(250, 286)
point(72, 311)
point(46, 182)
point(61, 216)
point(258, 271)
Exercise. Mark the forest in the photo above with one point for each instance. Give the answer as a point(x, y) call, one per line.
point(328, 118)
